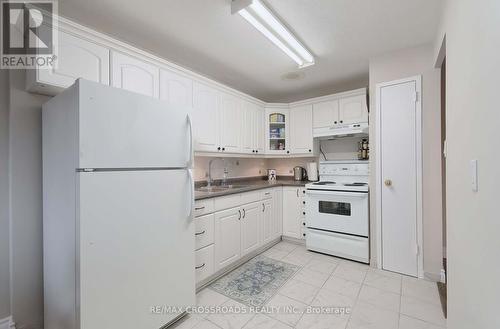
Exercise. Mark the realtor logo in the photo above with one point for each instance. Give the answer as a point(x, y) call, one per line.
point(28, 34)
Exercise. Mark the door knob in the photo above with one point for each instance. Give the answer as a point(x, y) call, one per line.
point(388, 182)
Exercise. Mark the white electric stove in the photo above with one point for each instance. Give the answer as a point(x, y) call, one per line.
point(337, 210)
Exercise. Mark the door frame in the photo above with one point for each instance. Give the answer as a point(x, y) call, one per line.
point(419, 166)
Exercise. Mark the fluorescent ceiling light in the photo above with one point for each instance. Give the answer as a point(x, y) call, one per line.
point(257, 14)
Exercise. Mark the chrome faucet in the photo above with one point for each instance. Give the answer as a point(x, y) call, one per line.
point(210, 180)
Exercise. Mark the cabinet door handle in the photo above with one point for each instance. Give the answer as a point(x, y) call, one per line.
point(218, 149)
point(198, 267)
point(297, 193)
point(199, 208)
point(239, 212)
point(267, 193)
point(223, 149)
point(244, 213)
point(335, 122)
point(303, 202)
point(263, 207)
point(199, 233)
point(288, 152)
point(341, 121)
point(304, 213)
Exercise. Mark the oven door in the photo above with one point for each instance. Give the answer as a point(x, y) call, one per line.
point(337, 211)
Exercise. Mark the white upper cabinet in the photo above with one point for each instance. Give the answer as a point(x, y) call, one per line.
point(77, 58)
point(230, 114)
point(205, 118)
point(176, 89)
point(353, 110)
point(325, 114)
point(277, 130)
point(260, 136)
point(301, 135)
point(248, 129)
point(252, 130)
point(135, 75)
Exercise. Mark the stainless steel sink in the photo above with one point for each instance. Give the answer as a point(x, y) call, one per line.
point(219, 188)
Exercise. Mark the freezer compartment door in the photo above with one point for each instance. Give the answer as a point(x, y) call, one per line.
point(136, 247)
point(122, 129)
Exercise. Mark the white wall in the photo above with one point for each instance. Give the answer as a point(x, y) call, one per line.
point(26, 203)
point(473, 117)
point(403, 64)
point(4, 196)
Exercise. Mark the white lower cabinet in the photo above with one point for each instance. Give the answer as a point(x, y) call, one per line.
point(204, 231)
point(204, 262)
point(250, 227)
point(277, 227)
point(227, 237)
point(293, 211)
point(233, 226)
point(268, 221)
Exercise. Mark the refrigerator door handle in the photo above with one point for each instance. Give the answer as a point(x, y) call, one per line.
point(191, 196)
point(190, 126)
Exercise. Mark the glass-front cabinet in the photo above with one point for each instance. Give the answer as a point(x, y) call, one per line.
point(277, 130)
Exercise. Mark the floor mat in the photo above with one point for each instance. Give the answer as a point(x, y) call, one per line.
point(256, 281)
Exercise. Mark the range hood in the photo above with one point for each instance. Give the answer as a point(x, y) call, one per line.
point(348, 130)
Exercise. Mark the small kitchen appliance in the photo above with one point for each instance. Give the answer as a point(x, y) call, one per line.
point(271, 174)
point(299, 173)
point(312, 171)
point(337, 217)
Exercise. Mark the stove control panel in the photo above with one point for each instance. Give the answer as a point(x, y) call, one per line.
point(344, 168)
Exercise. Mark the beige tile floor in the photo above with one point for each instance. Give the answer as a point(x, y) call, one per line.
point(376, 299)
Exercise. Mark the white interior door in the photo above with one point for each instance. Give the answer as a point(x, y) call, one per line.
point(399, 165)
point(136, 247)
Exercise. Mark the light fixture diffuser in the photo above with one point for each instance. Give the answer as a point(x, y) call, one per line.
point(257, 14)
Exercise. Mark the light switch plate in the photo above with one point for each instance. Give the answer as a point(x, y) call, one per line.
point(473, 172)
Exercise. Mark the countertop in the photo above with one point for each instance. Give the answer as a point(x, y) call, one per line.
point(249, 185)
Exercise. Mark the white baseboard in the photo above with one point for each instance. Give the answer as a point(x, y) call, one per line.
point(435, 277)
point(7, 323)
point(443, 276)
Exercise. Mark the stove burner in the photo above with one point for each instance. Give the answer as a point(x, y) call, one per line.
point(355, 184)
point(324, 183)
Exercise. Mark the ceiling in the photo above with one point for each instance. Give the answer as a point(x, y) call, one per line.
point(203, 36)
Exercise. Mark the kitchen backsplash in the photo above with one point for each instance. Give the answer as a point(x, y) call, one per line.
point(237, 167)
point(340, 149)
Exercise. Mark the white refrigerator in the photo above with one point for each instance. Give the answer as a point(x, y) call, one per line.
point(117, 209)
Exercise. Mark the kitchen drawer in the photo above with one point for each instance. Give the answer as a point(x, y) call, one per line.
point(202, 207)
point(250, 197)
point(204, 231)
point(226, 202)
point(266, 194)
point(204, 263)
